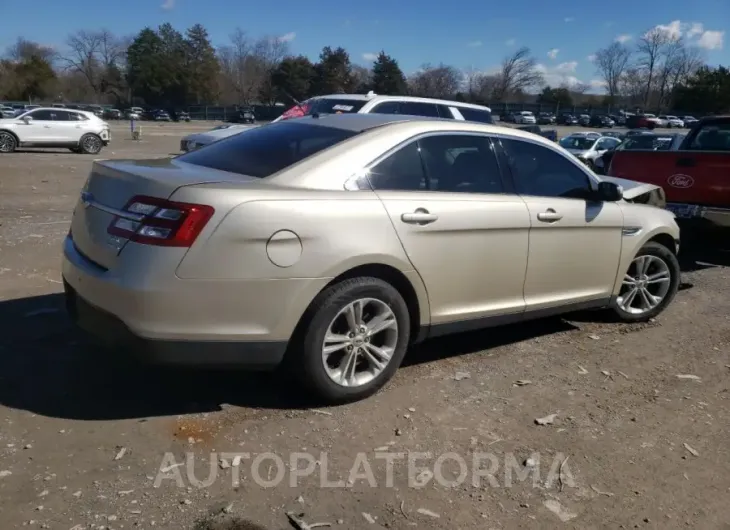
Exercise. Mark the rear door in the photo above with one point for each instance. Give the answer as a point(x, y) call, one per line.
point(464, 231)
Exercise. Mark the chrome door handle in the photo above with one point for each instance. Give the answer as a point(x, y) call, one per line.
point(46, 126)
point(420, 217)
point(549, 216)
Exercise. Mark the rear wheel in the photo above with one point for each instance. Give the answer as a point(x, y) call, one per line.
point(90, 144)
point(356, 337)
point(8, 142)
point(649, 285)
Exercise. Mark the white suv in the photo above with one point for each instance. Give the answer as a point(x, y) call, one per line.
point(79, 131)
point(526, 118)
point(372, 103)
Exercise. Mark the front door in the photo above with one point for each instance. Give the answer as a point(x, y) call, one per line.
point(40, 129)
point(575, 242)
point(465, 236)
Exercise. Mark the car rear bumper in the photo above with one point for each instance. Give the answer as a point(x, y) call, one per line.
point(195, 322)
point(109, 331)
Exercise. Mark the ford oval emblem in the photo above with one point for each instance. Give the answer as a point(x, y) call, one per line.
point(681, 181)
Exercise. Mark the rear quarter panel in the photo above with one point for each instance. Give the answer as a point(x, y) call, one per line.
point(336, 230)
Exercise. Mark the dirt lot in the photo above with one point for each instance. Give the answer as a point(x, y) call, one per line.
point(83, 437)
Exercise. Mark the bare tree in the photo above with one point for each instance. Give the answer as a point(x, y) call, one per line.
point(24, 49)
point(611, 64)
point(238, 67)
point(632, 85)
point(518, 73)
point(651, 46)
point(442, 81)
point(362, 78)
point(84, 48)
point(480, 85)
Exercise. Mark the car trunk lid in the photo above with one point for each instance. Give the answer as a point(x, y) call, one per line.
point(110, 186)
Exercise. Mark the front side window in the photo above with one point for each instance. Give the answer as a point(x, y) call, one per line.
point(263, 151)
point(387, 107)
point(540, 171)
point(41, 115)
point(481, 116)
point(413, 108)
point(447, 163)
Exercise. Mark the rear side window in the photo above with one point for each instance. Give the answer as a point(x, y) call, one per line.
point(413, 108)
point(334, 106)
point(712, 137)
point(263, 151)
point(481, 116)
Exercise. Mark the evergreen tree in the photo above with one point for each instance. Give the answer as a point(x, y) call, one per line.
point(293, 78)
point(388, 78)
point(333, 72)
point(203, 67)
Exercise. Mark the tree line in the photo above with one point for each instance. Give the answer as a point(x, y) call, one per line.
point(165, 67)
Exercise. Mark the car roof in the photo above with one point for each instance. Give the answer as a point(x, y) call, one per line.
point(378, 98)
point(364, 122)
point(66, 109)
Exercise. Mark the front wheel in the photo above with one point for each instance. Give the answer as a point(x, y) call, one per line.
point(649, 285)
point(356, 337)
point(90, 144)
point(8, 143)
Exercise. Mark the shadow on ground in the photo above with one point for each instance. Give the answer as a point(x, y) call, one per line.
point(47, 368)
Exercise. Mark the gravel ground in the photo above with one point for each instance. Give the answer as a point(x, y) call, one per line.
point(83, 438)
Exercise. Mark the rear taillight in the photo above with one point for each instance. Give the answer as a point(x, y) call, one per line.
point(154, 221)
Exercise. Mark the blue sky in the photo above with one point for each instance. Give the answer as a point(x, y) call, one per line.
point(470, 33)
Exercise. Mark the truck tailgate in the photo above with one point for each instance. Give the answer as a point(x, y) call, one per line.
point(688, 177)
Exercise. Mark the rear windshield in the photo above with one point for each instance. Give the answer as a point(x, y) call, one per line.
point(334, 106)
point(266, 150)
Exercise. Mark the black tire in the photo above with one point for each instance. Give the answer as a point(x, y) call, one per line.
point(90, 144)
point(8, 142)
point(660, 251)
point(304, 361)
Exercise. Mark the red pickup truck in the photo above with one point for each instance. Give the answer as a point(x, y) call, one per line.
point(695, 177)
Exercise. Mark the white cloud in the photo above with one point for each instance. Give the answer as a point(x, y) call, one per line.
point(569, 19)
point(560, 75)
point(591, 57)
point(695, 32)
point(597, 84)
point(370, 57)
point(673, 30)
point(697, 28)
point(475, 44)
point(553, 53)
point(287, 37)
point(167, 5)
point(511, 42)
point(623, 39)
point(711, 40)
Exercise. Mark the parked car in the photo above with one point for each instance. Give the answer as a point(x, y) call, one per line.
point(658, 122)
point(243, 251)
point(567, 119)
point(647, 141)
point(7, 112)
point(640, 121)
point(182, 116)
point(197, 140)
point(112, 114)
point(584, 120)
point(244, 115)
point(406, 105)
point(509, 117)
point(689, 121)
point(671, 121)
point(588, 147)
point(601, 121)
point(551, 134)
point(133, 114)
point(546, 118)
point(525, 117)
point(697, 190)
point(79, 131)
point(22, 109)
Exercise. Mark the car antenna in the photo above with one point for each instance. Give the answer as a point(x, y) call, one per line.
point(296, 101)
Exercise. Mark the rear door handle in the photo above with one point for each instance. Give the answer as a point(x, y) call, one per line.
point(420, 217)
point(549, 216)
point(686, 162)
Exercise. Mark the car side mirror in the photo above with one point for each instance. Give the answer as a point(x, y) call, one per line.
point(27, 119)
point(609, 192)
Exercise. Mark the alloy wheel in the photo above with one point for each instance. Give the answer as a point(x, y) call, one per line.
point(360, 342)
point(92, 144)
point(645, 285)
point(7, 142)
